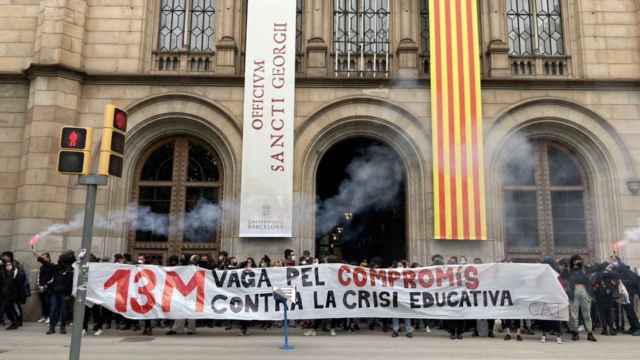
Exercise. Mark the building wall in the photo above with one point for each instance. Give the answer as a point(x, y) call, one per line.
point(64, 60)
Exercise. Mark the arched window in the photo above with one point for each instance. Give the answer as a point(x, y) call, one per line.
point(545, 202)
point(361, 37)
point(534, 28)
point(177, 192)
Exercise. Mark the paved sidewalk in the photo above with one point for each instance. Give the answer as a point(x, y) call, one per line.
point(31, 343)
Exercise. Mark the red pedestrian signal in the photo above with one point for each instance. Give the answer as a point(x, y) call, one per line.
point(113, 141)
point(74, 156)
point(73, 138)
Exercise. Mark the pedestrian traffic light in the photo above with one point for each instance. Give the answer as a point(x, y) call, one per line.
point(74, 156)
point(113, 139)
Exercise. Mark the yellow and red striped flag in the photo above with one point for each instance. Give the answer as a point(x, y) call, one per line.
point(456, 111)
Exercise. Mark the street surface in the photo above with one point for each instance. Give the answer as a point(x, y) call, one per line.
point(30, 343)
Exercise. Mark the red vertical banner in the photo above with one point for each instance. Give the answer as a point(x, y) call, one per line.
point(456, 112)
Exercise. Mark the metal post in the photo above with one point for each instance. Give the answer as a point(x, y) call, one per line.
point(286, 346)
point(92, 183)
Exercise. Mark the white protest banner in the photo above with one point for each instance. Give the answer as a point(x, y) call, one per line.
point(267, 134)
point(486, 291)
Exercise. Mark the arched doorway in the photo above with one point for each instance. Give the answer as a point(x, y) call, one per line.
point(177, 190)
point(546, 201)
point(360, 202)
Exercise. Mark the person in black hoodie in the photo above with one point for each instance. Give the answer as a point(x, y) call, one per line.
point(16, 289)
point(45, 275)
point(605, 288)
point(8, 292)
point(61, 286)
point(579, 290)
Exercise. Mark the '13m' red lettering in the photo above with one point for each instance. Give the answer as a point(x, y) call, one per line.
point(121, 277)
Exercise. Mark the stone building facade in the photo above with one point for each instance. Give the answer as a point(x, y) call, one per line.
point(567, 81)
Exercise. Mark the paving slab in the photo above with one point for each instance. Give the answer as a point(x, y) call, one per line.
point(30, 343)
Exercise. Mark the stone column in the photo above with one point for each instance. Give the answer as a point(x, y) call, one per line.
point(43, 194)
point(227, 47)
point(54, 92)
point(498, 50)
point(60, 33)
point(407, 46)
point(317, 45)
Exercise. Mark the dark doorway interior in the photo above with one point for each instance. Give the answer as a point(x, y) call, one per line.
point(361, 187)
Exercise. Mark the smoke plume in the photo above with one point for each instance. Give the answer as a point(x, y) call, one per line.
point(519, 160)
point(373, 180)
point(203, 218)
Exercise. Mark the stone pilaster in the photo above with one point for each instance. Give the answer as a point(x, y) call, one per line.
point(317, 46)
point(227, 47)
point(498, 50)
point(42, 194)
point(60, 33)
point(407, 47)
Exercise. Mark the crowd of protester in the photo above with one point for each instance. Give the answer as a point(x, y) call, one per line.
point(601, 295)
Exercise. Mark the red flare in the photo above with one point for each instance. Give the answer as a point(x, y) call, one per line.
point(34, 240)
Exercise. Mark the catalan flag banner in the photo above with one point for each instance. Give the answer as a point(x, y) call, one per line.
point(458, 159)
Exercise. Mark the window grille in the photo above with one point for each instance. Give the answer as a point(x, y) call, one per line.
point(361, 38)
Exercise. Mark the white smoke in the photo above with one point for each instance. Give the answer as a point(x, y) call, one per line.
point(200, 222)
point(519, 160)
point(632, 235)
point(203, 218)
point(373, 182)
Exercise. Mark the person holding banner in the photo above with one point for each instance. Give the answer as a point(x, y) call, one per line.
point(579, 298)
point(552, 326)
point(148, 328)
point(179, 325)
point(395, 322)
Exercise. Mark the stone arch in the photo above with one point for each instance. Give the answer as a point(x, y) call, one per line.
point(379, 120)
point(597, 145)
point(157, 117)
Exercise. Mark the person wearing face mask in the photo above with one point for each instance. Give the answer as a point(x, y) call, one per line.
point(395, 322)
point(606, 290)
point(180, 324)
point(246, 266)
point(490, 323)
point(62, 286)
point(551, 327)
point(579, 298)
point(148, 328)
point(265, 262)
point(21, 290)
point(455, 327)
point(223, 260)
point(289, 258)
point(8, 292)
point(45, 274)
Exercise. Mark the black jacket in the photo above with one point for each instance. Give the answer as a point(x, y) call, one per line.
point(47, 271)
point(62, 282)
point(13, 281)
point(605, 286)
point(578, 277)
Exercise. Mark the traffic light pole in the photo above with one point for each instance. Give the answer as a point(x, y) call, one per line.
point(92, 182)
